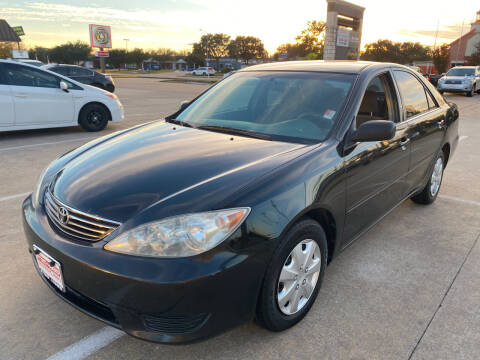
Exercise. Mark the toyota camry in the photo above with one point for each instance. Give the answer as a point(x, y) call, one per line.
point(231, 208)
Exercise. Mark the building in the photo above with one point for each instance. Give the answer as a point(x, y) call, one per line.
point(465, 45)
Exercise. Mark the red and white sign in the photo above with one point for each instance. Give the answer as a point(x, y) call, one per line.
point(49, 267)
point(102, 54)
point(100, 36)
point(343, 37)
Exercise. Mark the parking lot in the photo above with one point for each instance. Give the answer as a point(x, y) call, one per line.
point(408, 289)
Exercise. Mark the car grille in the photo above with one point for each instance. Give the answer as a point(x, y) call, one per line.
point(76, 223)
point(453, 82)
point(174, 324)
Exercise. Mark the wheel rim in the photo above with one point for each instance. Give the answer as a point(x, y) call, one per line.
point(299, 277)
point(95, 118)
point(436, 178)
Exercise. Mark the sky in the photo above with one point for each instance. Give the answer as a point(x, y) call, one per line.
point(176, 24)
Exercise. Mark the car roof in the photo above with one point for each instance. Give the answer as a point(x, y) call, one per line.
point(337, 66)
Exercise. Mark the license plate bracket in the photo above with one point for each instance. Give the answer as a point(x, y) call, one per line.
point(50, 268)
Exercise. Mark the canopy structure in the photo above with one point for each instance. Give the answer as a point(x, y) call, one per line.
point(7, 33)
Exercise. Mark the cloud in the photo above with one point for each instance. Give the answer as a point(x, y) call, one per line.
point(448, 32)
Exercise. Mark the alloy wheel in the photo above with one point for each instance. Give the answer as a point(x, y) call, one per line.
point(299, 277)
point(436, 178)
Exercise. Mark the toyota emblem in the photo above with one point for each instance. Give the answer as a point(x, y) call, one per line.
point(63, 215)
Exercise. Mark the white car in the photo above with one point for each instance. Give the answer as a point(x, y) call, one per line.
point(33, 98)
point(204, 71)
point(460, 79)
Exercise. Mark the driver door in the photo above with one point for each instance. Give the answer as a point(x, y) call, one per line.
point(376, 171)
point(37, 96)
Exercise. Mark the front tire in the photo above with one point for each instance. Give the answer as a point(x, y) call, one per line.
point(93, 117)
point(431, 190)
point(294, 276)
point(471, 92)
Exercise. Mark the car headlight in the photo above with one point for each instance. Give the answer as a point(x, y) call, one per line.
point(41, 185)
point(179, 236)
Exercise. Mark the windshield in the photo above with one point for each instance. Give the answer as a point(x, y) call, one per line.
point(288, 106)
point(461, 72)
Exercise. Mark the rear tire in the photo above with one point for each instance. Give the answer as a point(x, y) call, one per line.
point(300, 259)
point(93, 117)
point(431, 190)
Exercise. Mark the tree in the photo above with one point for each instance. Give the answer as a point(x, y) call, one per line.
point(311, 38)
point(212, 45)
point(70, 53)
point(136, 56)
point(117, 58)
point(309, 43)
point(441, 58)
point(39, 53)
point(246, 48)
point(397, 52)
point(6, 50)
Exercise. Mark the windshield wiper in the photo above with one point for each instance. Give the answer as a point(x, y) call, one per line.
point(233, 131)
point(178, 122)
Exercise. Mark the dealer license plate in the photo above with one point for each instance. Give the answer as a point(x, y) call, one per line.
point(49, 267)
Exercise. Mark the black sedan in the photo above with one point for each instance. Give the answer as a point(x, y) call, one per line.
point(232, 207)
point(83, 75)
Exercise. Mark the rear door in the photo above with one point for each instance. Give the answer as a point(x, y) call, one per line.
point(7, 111)
point(82, 75)
point(425, 122)
point(376, 170)
point(37, 96)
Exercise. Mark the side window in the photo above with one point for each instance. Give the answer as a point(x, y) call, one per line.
point(2, 77)
point(63, 70)
point(413, 93)
point(18, 75)
point(78, 71)
point(379, 101)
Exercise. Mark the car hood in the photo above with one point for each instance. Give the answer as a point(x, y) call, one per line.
point(127, 173)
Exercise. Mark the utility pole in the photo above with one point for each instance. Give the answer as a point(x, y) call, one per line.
point(206, 54)
point(126, 44)
point(459, 42)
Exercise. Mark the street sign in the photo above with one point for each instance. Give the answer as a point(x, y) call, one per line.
point(100, 36)
point(343, 37)
point(18, 30)
point(102, 54)
point(19, 54)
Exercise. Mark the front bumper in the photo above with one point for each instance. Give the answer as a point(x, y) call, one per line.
point(454, 88)
point(161, 300)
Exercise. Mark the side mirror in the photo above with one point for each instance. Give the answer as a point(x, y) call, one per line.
point(184, 104)
point(64, 86)
point(443, 74)
point(375, 130)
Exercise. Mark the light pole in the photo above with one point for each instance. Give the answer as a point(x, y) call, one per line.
point(206, 55)
point(126, 44)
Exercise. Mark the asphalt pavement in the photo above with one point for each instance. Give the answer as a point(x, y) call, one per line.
point(408, 289)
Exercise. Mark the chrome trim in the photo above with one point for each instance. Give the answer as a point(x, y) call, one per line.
point(79, 224)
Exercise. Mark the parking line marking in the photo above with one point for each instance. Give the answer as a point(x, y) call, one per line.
point(44, 144)
point(5, 198)
point(463, 137)
point(88, 345)
point(453, 198)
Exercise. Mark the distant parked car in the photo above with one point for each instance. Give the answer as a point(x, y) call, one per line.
point(83, 75)
point(204, 71)
point(36, 63)
point(35, 98)
point(461, 79)
point(433, 78)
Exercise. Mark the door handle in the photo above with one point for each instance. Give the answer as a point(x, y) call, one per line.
point(20, 95)
point(404, 142)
